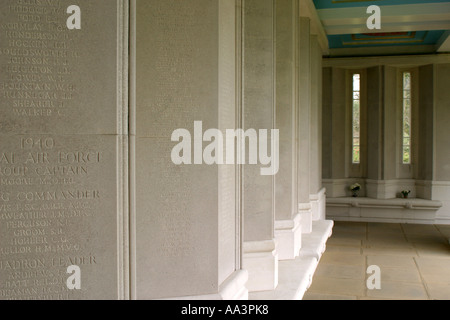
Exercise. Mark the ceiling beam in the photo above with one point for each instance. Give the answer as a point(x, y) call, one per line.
point(396, 61)
point(382, 51)
point(393, 27)
point(443, 45)
point(307, 9)
point(387, 11)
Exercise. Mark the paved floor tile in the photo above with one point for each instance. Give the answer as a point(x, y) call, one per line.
point(385, 228)
point(400, 274)
point(344, 249)
point(437, 250)
point(344, 242)
point(391, 261)
point(352, 287)
point(341, 271)
point(343, 259)
point(439, 291)
point(390, 250)
point(414, 261)
point(319, 296)
point(404, 291)
point(420, 229)
point(445, 230)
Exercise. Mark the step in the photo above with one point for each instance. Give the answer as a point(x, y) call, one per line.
point(295, 276)
point(314, 244)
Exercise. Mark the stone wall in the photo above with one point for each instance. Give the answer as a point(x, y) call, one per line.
point(118, 180)
point(63, 136)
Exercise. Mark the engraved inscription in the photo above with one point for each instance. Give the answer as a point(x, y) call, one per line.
point(40, 58)
point(58, 149)
point(44, 197)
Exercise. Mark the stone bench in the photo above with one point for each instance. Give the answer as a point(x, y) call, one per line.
point(398, 210)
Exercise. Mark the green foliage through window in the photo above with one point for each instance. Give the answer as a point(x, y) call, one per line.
point(356, 120)
point(407, 112)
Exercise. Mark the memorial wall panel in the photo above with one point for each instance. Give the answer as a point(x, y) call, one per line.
point(61, 142)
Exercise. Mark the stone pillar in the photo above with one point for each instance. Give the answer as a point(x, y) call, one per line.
point(317, 192)
point(441, 172)
point(442, 114)
point(426, 128)
point(63, 158)
point(260, 255)
point(327, 137)
point(391, 115)
point(375, 108)
point(185, 222)
point(304, 125)
point(334, 132)
point(287, 224)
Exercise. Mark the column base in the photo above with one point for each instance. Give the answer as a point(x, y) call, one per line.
point(304, 210)
point(261, 262)
point(318, 205)
point(234, 288)
point(295, 279)
point(288, 234)
point(314, 244)
point(296, 276)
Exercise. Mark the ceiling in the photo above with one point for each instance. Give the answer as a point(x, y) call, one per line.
point(407, 27)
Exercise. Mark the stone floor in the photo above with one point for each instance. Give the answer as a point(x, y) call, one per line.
point(414, 262)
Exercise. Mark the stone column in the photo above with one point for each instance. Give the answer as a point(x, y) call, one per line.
point(186, 222)
point(441, 172)
point(260, 255)
point(287, 224)
point(317, 192)
point(426, 142)
point(334, 132)
point(63, 158)
point(327, 100)
point(391, 121)
point(375, 108)
point(304, 125)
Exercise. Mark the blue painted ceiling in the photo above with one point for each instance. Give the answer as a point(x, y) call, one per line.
point(406, 24)
point(360, 40)
point(333, 4)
